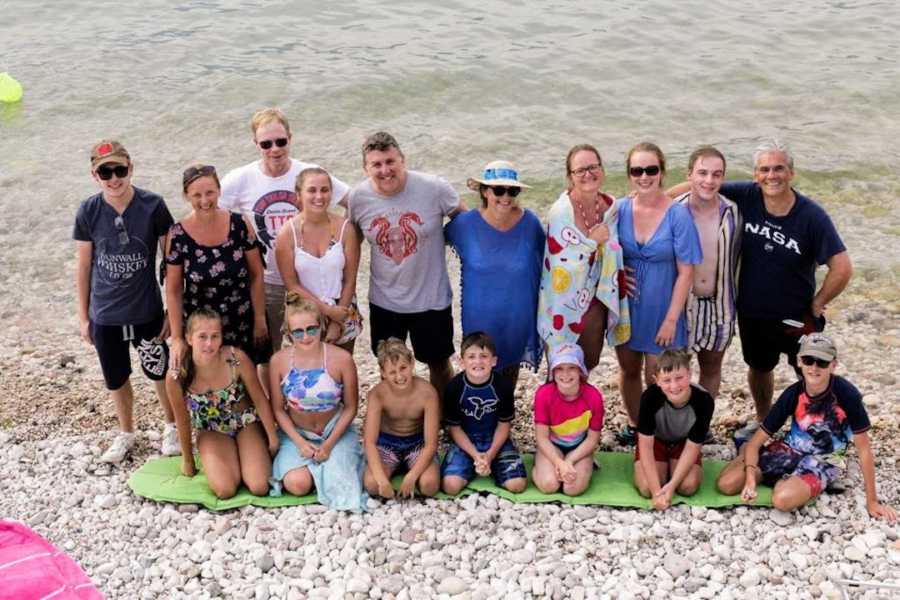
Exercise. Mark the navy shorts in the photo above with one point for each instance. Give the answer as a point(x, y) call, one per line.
point(111, 342)
point(763, 341)
point(505, 466)
point(431, 331)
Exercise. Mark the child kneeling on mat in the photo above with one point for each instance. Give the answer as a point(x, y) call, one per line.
point(827, 413)
point(402, 425)
point(568, 417)
point(673, 421)
point(479, 408)
point(218, 393)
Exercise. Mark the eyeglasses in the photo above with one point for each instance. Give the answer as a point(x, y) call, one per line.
point(105, 172)
point(773, 169)
point(119, 223)
point(639, 171)
point(266, 144)
point(592, 169)
point(311, 331)
point(810, 361)
point(501, 190)
point(192, 174)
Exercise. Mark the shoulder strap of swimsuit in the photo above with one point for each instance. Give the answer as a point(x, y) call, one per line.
point(234, 362)
point(325, 357)
point(343, 227)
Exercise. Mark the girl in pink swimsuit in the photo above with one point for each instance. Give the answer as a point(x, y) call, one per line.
point(223, 400)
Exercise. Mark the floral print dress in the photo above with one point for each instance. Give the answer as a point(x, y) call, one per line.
point(218, 278)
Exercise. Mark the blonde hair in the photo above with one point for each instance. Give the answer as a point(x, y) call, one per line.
point(393, 349)
point(268, 115)
point(296, 304)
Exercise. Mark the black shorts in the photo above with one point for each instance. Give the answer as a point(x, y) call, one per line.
point(431, 331)
point(111, 342)
point(763, 341)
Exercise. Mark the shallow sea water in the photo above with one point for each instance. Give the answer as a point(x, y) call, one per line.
point(459, 84)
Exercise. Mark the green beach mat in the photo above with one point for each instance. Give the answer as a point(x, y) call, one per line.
point(161, 480)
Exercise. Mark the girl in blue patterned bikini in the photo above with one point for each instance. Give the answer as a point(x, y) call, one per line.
point(315, 399)
point(225, 403)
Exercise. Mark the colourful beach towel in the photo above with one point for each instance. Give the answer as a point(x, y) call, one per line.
point(31, 568)
point(161, 480)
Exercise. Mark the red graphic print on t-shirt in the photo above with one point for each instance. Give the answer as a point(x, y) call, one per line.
point(398, 241)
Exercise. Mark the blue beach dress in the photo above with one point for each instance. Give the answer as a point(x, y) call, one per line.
point(655, 270)
point(501, 276)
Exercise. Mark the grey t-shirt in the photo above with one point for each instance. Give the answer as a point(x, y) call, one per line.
point(408, 267)
point(123, 261)
point(660, 418)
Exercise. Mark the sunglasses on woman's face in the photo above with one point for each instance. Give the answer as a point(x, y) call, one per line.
point(500, 190)
point(266, 144)
point(638, 171)
point(105, 172)
point(311, 331)
point(810, 361)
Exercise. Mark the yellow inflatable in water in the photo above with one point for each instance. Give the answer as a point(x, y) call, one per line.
point(10, 89)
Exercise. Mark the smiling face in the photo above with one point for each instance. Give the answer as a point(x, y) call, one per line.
point(585, 173)
point(315, 193)
point(816, 378)
point(645, 183)
point(477, 362)
point(398, 374)
point(568, 379)
point(706, 177)
point(773, 174)
point(203, 194)
point(205, 339)
point(276, 159)
point(306, 322)
point(675, 384)
point(499, 206)
point(114, 188)
point(386, 170)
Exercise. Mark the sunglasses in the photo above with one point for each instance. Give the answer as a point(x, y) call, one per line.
point(311, 331)
point(501, 190)
point(192, 174)
point(638, 171)
point(266, 144)
point(105, 172)
point(119, 224)
point(810, 361)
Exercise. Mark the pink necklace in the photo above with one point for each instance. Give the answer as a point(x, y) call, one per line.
point(588, 225)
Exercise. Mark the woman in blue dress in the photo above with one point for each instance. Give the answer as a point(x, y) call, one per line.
point(500, 246)
point(660, 245)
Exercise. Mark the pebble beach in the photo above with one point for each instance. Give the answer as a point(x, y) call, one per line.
point(56, 420)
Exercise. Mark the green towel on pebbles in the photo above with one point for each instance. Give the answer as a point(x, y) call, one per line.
point(160, 479)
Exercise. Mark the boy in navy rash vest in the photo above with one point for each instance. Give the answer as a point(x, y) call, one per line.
point(478, 411)
point(827, 413)
point(674, 420)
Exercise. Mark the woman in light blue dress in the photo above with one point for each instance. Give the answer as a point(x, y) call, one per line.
point(660, 245)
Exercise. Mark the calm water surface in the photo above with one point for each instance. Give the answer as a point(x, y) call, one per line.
point(458, 83)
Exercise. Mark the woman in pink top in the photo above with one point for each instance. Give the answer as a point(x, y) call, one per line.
point(318, 257)
point(568, 417)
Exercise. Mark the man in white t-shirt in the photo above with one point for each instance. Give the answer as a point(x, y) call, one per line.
point(264, 191)
point(401, 214)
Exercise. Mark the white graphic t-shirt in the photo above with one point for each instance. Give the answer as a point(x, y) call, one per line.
point(270, 202)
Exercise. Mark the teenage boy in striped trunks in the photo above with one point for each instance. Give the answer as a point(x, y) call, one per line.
point(711, 305)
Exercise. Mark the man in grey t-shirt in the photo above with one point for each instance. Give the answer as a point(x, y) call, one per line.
point(401, 214)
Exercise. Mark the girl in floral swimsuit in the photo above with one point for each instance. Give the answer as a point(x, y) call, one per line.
point(225, 404)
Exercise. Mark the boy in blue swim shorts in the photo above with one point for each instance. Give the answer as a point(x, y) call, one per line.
point(401, 427)
point(478, 412)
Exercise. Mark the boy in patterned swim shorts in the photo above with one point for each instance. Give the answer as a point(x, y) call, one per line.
point(402, 426)
point(828, 414)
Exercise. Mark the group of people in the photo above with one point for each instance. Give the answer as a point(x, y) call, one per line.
point(260, 281)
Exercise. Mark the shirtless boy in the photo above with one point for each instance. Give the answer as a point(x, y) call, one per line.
point(401, 426)
point(711, 304)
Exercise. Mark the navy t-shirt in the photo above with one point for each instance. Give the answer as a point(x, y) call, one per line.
point(822, 424)
point(123, 261)
point(662, 419)
point(779, 255)
point(478, 408)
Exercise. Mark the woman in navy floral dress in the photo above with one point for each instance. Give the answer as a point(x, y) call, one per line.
point(213, 263)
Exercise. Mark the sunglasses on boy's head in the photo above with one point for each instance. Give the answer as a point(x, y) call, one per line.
point(502, 190)
point(266, 144)
point(638, 171)
point(810, 361)
point(311, 331)
point(105, 172)
point(119, 224)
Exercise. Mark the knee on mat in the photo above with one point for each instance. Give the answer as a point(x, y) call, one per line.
point(516, 486)
point(223, 489)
